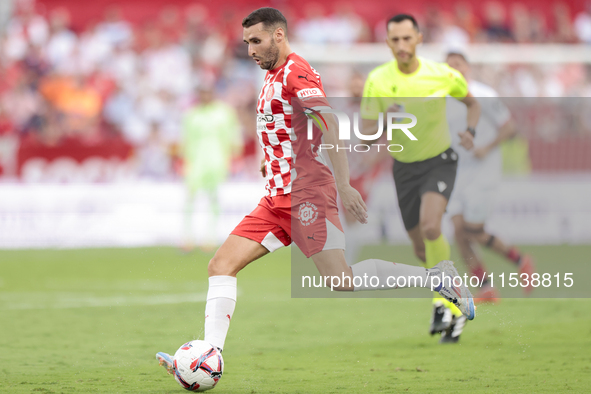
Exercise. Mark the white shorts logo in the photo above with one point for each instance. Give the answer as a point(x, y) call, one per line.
point(313, 92)
point(308, 213)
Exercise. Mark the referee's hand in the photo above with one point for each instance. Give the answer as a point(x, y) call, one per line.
point(466, 140)
point(353, 203)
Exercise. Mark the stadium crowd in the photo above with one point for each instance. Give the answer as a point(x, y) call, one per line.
point(113, 78)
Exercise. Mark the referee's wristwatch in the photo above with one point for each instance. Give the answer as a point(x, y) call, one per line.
point(472, 131)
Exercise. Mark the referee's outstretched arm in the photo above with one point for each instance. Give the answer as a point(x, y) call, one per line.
point(467, 137)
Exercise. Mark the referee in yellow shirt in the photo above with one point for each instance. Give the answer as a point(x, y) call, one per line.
point(425, 169)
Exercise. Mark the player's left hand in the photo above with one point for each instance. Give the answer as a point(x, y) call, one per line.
point(263, 168)
point(353, 203)
point(466, 139)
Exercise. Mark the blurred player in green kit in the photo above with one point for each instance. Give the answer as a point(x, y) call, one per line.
point(211, 138)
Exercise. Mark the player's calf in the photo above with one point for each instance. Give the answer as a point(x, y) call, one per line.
point(420, 252)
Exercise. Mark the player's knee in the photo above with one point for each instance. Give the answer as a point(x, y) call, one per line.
point(476, 234)
point(460, 235)
point(430, 229)
point(486, 239)
point(220, 266)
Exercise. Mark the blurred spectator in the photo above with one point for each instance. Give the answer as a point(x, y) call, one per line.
point(314, 28)
point(583, 25)
point(6, 125)
point(170, 23)
point(521, 23)
point(450, 34)
point(466, 19)
point(167, 64)
point(431, 24)
point(123, 65)
point(114, 30)
point(24, 28)
point(197, 27)
point(539, 28)
point(563, 23)
point(345, 26)
point(495, 23)
point(24, 104)
point(118, 107)
point(62, 41)
point(76, 104)
point(93, 49)
point(153, 158)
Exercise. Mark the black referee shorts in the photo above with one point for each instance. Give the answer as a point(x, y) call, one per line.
point(437, 174)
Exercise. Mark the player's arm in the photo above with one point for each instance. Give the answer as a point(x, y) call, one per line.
point(263, 168)
point(350, 197)
point(311, 89)
point(507, 131)
point(467, 137)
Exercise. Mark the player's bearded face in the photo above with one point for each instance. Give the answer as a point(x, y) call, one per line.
point(270, 56)
point(262, 46)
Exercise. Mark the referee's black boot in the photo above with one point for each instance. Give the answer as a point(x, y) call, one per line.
point(441, 319)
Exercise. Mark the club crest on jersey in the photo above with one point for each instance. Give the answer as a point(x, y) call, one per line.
point(310, 92)
point(308, 213)
point(270, 93)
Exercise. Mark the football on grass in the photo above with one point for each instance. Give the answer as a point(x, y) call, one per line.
point(198, 366)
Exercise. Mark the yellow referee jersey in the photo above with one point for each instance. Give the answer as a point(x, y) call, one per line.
point(422, 94)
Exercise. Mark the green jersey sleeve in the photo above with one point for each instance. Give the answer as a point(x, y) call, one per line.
point(458, 86)
point(371, 104)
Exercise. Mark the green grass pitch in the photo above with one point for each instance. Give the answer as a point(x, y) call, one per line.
point(91, 321)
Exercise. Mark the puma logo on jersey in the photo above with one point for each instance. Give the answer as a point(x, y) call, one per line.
point(441, 186)
point(304, 77)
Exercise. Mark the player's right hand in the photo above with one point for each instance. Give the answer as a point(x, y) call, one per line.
point(466, 140)
point(263, 168)
point(353, 202)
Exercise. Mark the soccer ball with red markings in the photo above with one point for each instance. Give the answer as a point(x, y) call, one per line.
point(198, 366)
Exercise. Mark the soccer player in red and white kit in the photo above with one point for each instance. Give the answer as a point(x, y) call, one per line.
point(300, 204)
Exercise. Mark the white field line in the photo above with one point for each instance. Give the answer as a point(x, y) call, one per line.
point(25, 301)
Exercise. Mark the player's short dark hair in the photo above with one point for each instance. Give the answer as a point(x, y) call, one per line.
point(270, 17)
point(401, 18)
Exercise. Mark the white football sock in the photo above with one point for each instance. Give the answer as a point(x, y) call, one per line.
point(221, 301)
point(391, 275)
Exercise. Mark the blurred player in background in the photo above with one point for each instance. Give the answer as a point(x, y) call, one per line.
point(211, 138)
point(425, 170)
point(301, 200)
point(479, 174)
